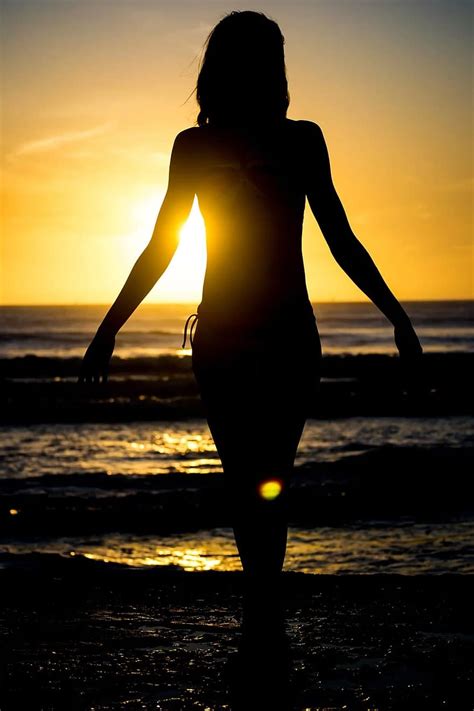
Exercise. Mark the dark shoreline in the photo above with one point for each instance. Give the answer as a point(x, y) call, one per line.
point(35, 389)
point(94, 636)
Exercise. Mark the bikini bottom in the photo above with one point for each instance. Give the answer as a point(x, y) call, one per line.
point(252, 376)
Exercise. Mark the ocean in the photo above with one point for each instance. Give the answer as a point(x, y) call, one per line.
point(130, 475)
point(154, 329)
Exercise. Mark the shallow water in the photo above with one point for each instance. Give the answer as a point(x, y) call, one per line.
point(147, 448)
point(65, 461)
point(402, 547)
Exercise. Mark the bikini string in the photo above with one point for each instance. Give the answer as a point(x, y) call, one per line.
point(191, 332)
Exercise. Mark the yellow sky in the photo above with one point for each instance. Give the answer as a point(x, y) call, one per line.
point(94, 93)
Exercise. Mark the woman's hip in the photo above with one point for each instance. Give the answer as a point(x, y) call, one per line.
point(280, 370)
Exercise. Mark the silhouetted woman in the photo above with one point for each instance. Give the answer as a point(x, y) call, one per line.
point(256, 352)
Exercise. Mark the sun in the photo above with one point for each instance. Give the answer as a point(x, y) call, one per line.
point(182, 280)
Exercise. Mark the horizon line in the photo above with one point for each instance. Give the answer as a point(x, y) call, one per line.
point(187, 303)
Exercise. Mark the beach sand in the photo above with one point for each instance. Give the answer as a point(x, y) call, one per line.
point(77, 634)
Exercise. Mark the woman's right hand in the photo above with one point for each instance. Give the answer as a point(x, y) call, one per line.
point(411, 357)
point(407, 342)
point(95, 364)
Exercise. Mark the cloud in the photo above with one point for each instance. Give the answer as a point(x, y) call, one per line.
point(52, 143)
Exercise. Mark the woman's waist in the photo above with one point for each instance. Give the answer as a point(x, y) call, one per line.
point(295, 323)
point(256, 317)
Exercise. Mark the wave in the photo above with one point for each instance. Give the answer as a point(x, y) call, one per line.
point(30, 363)
point(62, 336)
point(384, 482)
point(163, 387)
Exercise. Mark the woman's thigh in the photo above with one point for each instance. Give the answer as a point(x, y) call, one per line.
point(253, 450)
point(256, 401)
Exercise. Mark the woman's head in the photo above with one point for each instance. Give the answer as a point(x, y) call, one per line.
point(242, 78)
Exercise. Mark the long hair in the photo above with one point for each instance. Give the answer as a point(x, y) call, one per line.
point(242, 78)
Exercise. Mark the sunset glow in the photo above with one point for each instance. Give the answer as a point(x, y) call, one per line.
point(183, 278)
point(87, 139)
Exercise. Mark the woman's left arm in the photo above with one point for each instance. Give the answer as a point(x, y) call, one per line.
point(154, 259)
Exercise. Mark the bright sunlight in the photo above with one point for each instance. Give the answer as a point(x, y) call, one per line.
point(182, 281)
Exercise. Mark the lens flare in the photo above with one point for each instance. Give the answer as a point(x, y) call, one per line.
point(270, 489)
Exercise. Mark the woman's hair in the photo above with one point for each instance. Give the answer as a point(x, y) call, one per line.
point(242, 77)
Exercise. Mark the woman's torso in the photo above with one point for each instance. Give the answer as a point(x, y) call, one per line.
point(251, 193)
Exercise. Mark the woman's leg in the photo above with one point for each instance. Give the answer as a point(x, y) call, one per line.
point(256, 401)
point(253, 451)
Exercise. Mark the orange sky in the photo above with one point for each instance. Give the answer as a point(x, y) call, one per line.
point(93, 94)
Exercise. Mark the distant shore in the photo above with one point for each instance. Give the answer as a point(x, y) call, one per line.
point(36, 389)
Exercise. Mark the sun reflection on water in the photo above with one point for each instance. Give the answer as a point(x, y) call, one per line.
point(188, 558)
point(182, 448)
point(407, 548)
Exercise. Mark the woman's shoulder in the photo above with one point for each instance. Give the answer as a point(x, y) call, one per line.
point(300, 132)
point(194, 137)
point(188, 134)
point(304, 125)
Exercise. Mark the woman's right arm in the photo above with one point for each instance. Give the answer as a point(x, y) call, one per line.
point(346, 249)
point(152, 262)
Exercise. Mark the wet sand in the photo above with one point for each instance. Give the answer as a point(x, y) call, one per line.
point(77, 634)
